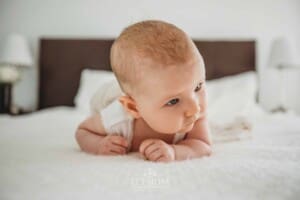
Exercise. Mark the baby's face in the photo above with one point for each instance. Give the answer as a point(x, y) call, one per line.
point(173, 98)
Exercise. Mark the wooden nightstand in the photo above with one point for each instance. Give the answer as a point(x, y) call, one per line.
point(5, 98)
point(6, 106)
point(19, 111)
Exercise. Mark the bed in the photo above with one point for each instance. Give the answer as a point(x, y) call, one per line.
point(41, 160)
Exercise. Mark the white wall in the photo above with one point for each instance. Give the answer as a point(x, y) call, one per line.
point(229, 19)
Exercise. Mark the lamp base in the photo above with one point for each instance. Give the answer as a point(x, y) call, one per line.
point(279, 109)
point(5, 97)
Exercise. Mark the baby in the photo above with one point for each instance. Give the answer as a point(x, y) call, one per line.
point(162, 112)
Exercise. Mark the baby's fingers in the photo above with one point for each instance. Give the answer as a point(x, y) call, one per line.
point(145, 144)
point(162, 159)
point(155, 155)
point(119, 140)
point(117, 149)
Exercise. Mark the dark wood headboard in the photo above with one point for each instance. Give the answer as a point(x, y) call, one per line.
point(62, 60)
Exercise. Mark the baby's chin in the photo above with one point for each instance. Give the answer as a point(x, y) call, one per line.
point(186, 128)
point(180, 130)
point(164, 130)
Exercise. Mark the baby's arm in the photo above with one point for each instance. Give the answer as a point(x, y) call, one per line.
point(92, 138)
point(197, 142)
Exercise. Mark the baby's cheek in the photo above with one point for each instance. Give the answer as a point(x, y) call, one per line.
point(175, 122)
point(169, 124)
point(202, 100)
point(203, 105)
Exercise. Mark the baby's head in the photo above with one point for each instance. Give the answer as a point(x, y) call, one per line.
point(162, 74)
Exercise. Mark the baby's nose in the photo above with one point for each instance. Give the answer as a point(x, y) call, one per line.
point(193, 109)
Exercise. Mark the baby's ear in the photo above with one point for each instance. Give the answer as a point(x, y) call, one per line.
point(130, 105)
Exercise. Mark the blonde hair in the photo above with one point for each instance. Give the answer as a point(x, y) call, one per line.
point(161, 42)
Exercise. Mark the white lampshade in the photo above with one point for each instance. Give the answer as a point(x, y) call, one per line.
point(281, 54)
point(15, 52)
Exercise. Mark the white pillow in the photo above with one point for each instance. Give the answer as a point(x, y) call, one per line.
point(227, 97)
point(231, 96)
point(90, 81)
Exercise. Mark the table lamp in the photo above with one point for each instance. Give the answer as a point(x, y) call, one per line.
point(282, 59)
point(14, 56)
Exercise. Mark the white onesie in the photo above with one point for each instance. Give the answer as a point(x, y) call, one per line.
point(117, 121)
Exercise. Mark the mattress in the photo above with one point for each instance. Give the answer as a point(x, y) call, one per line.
point(40, 159)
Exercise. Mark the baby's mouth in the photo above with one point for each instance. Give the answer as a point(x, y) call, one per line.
point(196, 117)
point(187, 124)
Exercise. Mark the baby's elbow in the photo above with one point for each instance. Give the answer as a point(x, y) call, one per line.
point(78, 135)
point(79, 132)
point(209, 150)
point(203, 149)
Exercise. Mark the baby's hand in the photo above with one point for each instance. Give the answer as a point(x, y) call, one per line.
point(113, 145)
point(157, 150)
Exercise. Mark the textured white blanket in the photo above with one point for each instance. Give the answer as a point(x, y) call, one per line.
point(41, 160)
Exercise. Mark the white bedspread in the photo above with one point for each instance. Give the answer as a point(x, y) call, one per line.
point(41, 160)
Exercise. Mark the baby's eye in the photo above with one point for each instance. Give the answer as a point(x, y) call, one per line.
point(198, 88)
point(172, 102)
